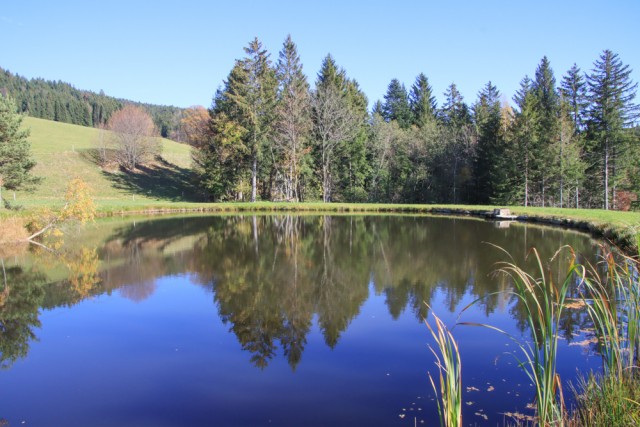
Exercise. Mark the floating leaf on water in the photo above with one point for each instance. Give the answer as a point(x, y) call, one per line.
point(584, 343)
point(574, 305)
point(484, 416)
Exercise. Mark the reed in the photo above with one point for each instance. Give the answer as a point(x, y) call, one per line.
point(606, 401)
point(450, 375)
point(612, 299)
point(543, 301)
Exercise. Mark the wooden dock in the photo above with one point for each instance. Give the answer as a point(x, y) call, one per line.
point(501, 215)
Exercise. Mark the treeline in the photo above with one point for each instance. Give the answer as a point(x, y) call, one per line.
point(59, 101)
point(271, 136)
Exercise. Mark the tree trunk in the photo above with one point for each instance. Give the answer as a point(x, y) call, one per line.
point(254, 177)
point(606, 174)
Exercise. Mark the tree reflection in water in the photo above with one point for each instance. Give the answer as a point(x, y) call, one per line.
point(273, 274)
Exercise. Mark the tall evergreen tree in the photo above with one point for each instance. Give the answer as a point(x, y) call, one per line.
point(454, 167)
point(254, 98)
point(490, 149)
point(611, 96)
point(525, 141)
point(454, 110)
point(334, 123)
point(396, 104)
point(16, 161)
point(574, 91)
point(377, 109)
point(353, 162)
point(422, 101)
point(548, 105)
point(293, 119)
point(243, 114)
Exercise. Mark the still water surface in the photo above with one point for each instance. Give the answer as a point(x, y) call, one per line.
point(267, 320)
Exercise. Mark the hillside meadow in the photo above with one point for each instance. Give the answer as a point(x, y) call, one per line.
point(64, 151)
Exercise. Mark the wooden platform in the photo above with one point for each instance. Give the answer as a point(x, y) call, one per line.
point(502, 215)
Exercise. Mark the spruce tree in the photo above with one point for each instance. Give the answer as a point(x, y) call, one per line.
point(548, 105)
point(525, 141)
point(16, 161)
point(490, 149)
point(334, 124)
point(611, 111)
point(396, 104)
point(454, 110)
point(377, 109)
point(293, 119)
point(453, 169)
point(422, 101)
point(254, 98)
point(574, 91)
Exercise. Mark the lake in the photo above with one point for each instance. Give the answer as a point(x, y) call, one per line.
point(283, 320)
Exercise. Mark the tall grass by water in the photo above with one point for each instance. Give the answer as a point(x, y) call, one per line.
point(450, 375)
point(610, 291)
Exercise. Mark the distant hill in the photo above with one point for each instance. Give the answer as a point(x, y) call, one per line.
point(61, 102)
point(64, 151)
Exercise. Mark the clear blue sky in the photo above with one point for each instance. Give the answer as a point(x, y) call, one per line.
point(179, 52)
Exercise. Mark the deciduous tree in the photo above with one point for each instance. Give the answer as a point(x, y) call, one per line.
point(133, 137)
point(195, 125)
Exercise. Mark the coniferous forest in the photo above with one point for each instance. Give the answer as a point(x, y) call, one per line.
point(566, 142)
point(273, 133)
point(61, 102)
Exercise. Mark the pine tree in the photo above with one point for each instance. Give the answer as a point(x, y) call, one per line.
point(353, 167)
point(377, 109)
point(422, 101)
point(453, 168)
point(396, 104)
point(548, 105)
point(253, 95)
point(454, 110)
point(525, 140)
point(293, 118)
point(334, 122)
point(15, 156)
point(611, 95)
point(490, 149)
point(574, 91)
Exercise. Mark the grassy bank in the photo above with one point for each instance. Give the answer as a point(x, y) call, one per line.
point(64, 151)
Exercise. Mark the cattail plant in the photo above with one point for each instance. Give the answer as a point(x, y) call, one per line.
point(543, 301)
point(450, 371)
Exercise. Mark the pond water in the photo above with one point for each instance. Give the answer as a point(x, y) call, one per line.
point(267, 320)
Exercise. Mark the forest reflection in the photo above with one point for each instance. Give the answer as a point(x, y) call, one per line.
point(273, 275)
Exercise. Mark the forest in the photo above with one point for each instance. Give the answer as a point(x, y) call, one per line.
point(61, 102)
point(270, 136)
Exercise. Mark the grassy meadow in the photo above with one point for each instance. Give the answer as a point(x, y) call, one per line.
point(64, 151)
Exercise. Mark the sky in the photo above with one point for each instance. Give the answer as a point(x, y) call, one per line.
point(179, 52)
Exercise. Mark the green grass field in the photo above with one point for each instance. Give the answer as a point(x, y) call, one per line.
point(64, 151)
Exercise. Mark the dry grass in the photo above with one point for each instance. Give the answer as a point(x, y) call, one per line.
point(12, 230)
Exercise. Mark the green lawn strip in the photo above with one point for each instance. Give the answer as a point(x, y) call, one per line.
point(63, 151)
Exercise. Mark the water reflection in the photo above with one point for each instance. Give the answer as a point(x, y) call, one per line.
point(271, 276)
point(21, 296)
